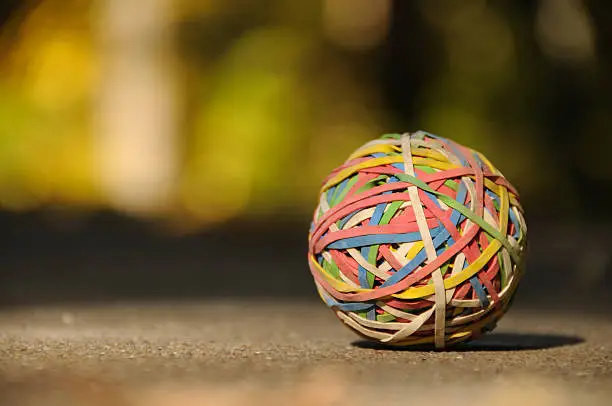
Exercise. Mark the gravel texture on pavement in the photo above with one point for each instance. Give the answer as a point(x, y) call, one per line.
point(284, 353)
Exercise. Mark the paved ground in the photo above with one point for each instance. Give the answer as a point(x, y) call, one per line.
point(259, 353)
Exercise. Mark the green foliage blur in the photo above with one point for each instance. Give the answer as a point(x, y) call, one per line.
point(261, 99)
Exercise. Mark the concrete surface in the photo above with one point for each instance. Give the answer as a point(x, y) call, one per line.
point(256, 352)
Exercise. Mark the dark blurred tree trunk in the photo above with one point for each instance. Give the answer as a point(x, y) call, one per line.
point(412, 58)
point(7, 9)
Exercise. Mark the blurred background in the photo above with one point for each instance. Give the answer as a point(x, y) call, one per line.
point(173, 149)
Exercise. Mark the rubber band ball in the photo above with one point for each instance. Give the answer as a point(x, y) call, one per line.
point(417, 240)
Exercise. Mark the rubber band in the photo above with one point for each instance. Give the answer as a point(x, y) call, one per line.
point(417, 240)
